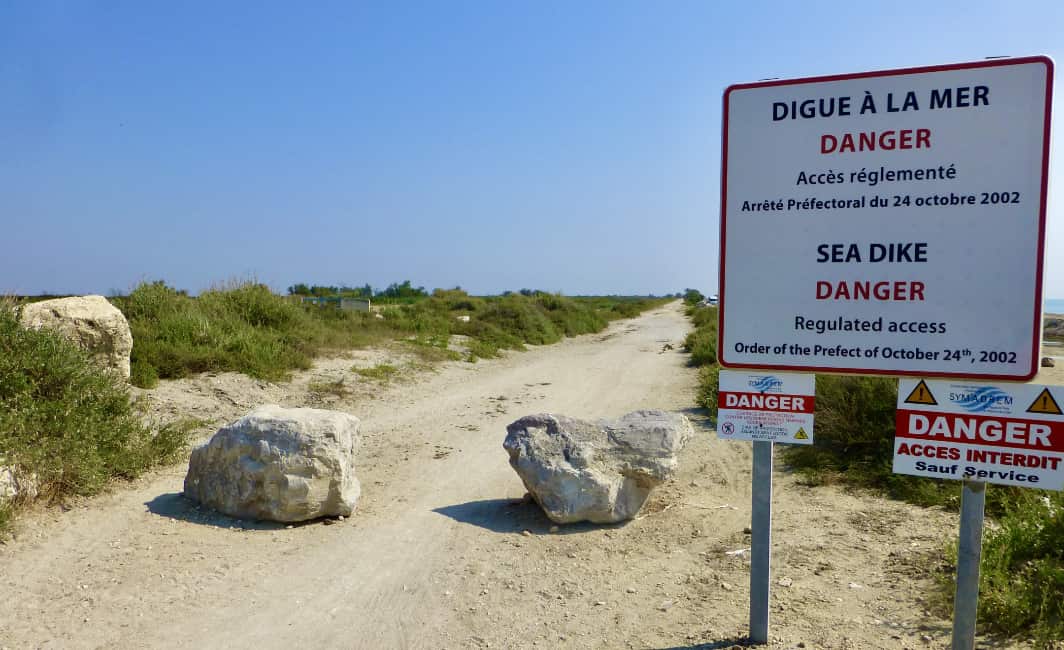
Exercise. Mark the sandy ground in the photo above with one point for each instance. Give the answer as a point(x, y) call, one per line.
point(444, 553)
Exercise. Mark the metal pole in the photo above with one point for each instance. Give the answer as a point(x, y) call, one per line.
point(969, 551)
point(761, 542)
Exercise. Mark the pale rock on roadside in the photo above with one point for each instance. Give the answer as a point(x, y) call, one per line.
point(279, 464)
point(91, 322)
point(601, 471)
point(16, 486)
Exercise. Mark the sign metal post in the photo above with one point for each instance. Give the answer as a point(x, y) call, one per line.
point(969, 551)
point(761, 542)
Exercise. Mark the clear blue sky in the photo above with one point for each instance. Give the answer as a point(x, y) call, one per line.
point(563, 146)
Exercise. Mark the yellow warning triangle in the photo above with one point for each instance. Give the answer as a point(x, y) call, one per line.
point(801, 434)
point(1045, 403)
point(921, 395)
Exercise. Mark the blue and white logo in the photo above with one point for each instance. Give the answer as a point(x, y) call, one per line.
point(981, 399)
point(766, 384)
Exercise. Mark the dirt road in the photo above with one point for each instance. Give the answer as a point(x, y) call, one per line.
point(442, 552)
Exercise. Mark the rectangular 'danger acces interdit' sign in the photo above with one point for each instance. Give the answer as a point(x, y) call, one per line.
point(888, 222)
point(1010, 434)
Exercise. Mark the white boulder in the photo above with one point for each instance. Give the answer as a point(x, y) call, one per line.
point(601, 471)
point(16, 486)
point(91, 322)
point(279, 464)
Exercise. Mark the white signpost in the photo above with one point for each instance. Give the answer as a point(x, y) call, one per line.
point(764, 408)
point(887, 222)
point(1010, 434)
point(890, 223)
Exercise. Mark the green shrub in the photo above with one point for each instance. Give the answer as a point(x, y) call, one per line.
point(1022, 579)
point(854, 441)
point(253, 304)
point(143, 375)
point(701, 342)
point(242, 327)
point(615, 307)
point(68, 422)
point(430, 321)
point(382, 372)
point(481, 349)
point(488, 338)
point(625, 310)
point(245, 327)
point(708, 386)
point(570, 317)
point(854, 428)
point(456, 300)
point(520, 318)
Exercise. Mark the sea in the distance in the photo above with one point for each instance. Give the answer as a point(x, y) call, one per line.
point(1054, 306)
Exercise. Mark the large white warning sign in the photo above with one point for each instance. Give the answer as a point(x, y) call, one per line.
point(887, 222)
point(773, 407)
point(1012, 434)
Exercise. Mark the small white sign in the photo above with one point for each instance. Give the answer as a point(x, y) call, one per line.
point(888, 222)
point(1010, 434)
point(771, 407)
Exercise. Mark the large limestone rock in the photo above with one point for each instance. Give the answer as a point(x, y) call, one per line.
point(90, 322)
point(279, 464)
point(595, 471)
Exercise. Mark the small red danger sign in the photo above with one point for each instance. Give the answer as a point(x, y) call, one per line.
point(767, 407)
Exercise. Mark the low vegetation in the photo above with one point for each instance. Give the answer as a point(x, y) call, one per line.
point(1022, 580)
point(242, 327)
point(335, 388)
point(67, 426)
point(70, 428)
point(382, 372)
point(246, 328)
point(701, 343)
point(395, 293)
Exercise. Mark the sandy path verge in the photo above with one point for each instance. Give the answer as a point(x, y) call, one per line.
point(442, 552)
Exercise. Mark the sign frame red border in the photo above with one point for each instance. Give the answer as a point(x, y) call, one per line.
point(1037, 315)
